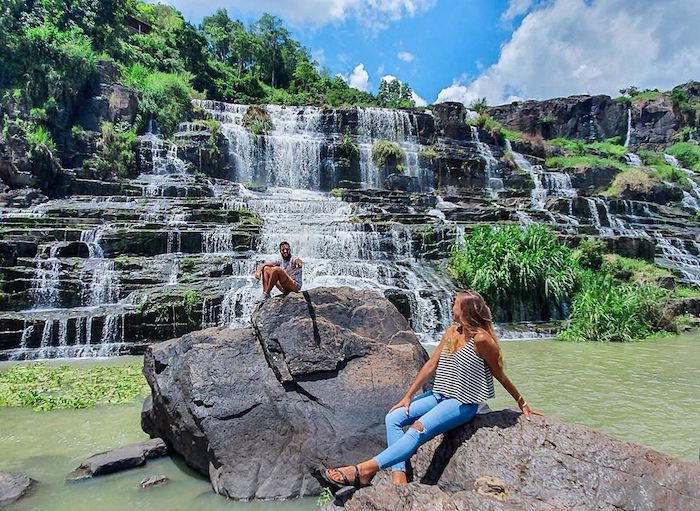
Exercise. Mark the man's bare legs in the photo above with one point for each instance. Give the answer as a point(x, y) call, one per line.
point(274, 276)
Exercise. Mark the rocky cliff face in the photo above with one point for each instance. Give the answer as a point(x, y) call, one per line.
point(652, 123)
point(117, 264)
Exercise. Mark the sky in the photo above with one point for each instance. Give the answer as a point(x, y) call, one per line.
point(503, 50)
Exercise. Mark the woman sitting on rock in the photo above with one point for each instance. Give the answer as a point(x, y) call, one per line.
point(464, 363)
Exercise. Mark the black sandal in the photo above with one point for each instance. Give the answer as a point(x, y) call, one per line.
point(322, 477)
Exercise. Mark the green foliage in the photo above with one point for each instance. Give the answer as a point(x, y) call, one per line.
point(572, 147)
point(512, 135)
point(214, 128)
point(326, 497)
point(44, 387)
point(589, 253)
point(40, 141)
point(116, 152)
point(166, 98)
point(688, 154)
point(688, 110)
point(349, 147)
point(257, 120)
point(395, 94)
point(608, 148)
point(428, 153)
point(187, 264)
point(479, 105)
point(385, 152)
point(510, 266)
point(487, 123)
point(583, 162)
point(606, 310)
point(190, 300)
point(627, 269)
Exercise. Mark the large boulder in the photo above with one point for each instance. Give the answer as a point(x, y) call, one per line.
point(502, 462)
point(309, 382)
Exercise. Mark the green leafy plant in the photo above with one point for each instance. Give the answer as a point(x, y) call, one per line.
point(688, 154)
point(326, 497)
point(606, 310)
point(385, 152)
point(257, 120)
point(116, 151)
point(40, 141)
point(510, 266)
point(349, 147)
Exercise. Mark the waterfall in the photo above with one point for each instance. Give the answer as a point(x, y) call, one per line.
point(337, 252)
point(688, 200)
point(493, 183)
point(633, 160)
point(628, 139)
point(294, 152)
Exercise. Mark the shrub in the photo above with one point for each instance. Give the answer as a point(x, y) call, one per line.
point(166, 98)
point(40, 142)
point(510, 266)
point(635, 180)
point(688, 154)
point(350, 148)
point(589, 253)
point(512, 135)
point(387, 153)
point(605, 310)
point(428, 153)
point(116, 151)
point(257, 120)
point(485, 122)
point(479, 105)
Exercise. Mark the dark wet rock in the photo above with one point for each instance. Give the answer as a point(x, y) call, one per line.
point(13, 487)
point(152, 481)
point(257, 408)
point(502, 462)
point(402, 183)
point(575, 117)
point(116, 460)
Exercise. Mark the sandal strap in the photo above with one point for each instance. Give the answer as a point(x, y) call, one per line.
point(344, 478)
point(356, 482)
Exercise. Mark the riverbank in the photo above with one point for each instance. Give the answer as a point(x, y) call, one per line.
point(638, 392)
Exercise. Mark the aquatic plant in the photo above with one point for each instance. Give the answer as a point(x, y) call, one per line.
point(43, 387)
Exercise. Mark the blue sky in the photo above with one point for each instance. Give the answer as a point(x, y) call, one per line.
point(499, 49)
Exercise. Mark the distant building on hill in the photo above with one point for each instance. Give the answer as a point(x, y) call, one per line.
point(137, 26)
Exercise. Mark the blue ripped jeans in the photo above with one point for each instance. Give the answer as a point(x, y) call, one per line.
point(435, 412)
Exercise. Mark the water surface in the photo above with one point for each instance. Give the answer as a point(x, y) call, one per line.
point(642, 392)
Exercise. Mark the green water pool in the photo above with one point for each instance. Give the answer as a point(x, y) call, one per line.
point(642, 392)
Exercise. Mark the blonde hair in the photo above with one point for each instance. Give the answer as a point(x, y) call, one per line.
point(474, 316)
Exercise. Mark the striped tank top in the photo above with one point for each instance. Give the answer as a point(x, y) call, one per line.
point(464, 375)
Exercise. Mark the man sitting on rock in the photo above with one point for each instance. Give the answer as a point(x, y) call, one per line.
point(285, 274)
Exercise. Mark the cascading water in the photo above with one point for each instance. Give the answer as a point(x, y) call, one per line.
point(493, 183)
point(294, 153)
point(628, 139)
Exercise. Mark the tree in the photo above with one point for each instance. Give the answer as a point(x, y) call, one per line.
point(277, 57)
point(395, 94)
point(479, 105)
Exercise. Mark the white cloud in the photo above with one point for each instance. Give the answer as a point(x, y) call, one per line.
point(570, 47)
point(516, 8)
point(388, 78)
point(419, 101)
point(375, 14)
point(406, 56)
point(359, 78)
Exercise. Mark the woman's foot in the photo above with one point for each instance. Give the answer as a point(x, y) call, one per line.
point(349, 476)
point(399, 478)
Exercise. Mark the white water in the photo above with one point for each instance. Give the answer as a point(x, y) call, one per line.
point(628, 139)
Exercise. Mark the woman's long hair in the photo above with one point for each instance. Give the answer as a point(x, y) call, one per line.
point(474, 316)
